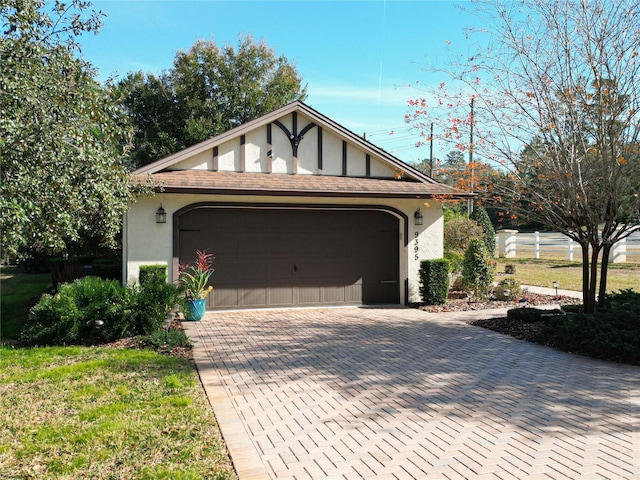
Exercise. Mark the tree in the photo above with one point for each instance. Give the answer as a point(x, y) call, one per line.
point(62, 177)
point(480, 216)
point(209, 90)
point(557, 103)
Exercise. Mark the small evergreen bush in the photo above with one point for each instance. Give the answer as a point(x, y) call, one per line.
point(477, 269)
point(606, 334)
point(434, 281)
point(511, 286)
point(153, 274)
point(69, 316)
point(479, 215)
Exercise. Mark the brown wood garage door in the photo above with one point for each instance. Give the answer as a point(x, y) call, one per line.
point(291, 257)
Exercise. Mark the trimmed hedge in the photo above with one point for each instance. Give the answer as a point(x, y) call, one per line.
point(153, 274)
point(434, 281)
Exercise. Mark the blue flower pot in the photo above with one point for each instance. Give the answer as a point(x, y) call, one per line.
point(195, 309)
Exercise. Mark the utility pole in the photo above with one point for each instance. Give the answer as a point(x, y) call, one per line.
point(471, 180)
point(431, 152)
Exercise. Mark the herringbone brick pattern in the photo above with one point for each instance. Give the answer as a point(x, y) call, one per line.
point(398, 394)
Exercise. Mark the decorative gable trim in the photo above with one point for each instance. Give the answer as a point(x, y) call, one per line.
point(317, 120)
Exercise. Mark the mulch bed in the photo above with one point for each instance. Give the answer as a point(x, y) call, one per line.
point(458, 302)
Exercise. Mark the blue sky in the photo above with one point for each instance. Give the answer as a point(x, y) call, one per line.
point(356, 57)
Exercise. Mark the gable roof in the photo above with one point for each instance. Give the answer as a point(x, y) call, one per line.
point(412, 183)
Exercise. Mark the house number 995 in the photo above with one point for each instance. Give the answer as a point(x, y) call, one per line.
point(416, 247)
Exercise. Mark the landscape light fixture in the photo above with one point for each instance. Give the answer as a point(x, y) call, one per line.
point(556, 284)
point(417, 217)
point(161, 215)
point(166, 324)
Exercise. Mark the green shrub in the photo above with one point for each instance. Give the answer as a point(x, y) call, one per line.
point(608, 335)
point(510, 286)
point(151, 301)
point(533, 315)
point(477, 269)
point(174, 338)
point(572, 308)
point(454, 259)
point(153, 273)
point(458, 233)
point(479, 215)
point(69, 317)
point(510, 269)
point(624, 300)
point(107, 268)
point(434, 281)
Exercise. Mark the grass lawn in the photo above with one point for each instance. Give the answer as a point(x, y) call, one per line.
point(542, 273)
point(17, 290)
point(103, 413)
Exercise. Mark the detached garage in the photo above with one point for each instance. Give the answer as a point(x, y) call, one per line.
point(297, 210)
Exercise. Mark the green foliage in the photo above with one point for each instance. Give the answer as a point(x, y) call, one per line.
point(626, 300)
point(107, 268)
point(61, 136)
point(193, 278)
point(153, 273)
point(477, 269)
point(454, 259)
point(533, 315)
point(510, 269)
point(459, 231)
point(434, 281)
point(507, 289)
point(107, 413)
point(209, 90)
point(479, 215)
point(609, 334)
point(174, 338)
point(69, 316)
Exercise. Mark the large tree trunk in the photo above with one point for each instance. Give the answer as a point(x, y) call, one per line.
point(588, 300)
point(604, 270)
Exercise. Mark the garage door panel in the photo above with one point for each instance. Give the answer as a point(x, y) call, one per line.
point(296, 257)
point(280, 296)
point(253, 297)
point(307, 295)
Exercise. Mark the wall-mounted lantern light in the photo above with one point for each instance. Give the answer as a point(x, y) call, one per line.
point(161, 215)
point(417, 217)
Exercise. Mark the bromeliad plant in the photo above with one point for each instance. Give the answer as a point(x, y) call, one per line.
point(193, 278)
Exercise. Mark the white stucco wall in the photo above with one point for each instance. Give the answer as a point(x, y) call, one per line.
point(256, 150)
point(146, 242)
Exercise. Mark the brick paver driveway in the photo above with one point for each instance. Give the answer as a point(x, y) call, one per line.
point(398, 393)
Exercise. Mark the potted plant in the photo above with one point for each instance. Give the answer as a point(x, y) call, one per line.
point(193, 280)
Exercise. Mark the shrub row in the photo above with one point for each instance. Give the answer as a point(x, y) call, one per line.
point(612, 333)
point(69, 316)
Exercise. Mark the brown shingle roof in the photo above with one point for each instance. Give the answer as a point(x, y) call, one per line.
point(235, 183)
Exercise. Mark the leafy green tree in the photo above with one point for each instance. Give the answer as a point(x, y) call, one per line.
point(61, 137)
point(477, 269)
point(209, 90)
point(481, 217)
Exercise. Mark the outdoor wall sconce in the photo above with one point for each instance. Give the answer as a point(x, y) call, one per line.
point(417, 217)
point(161, 215)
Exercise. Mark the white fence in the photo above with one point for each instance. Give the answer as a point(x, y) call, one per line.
point(513, 244)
